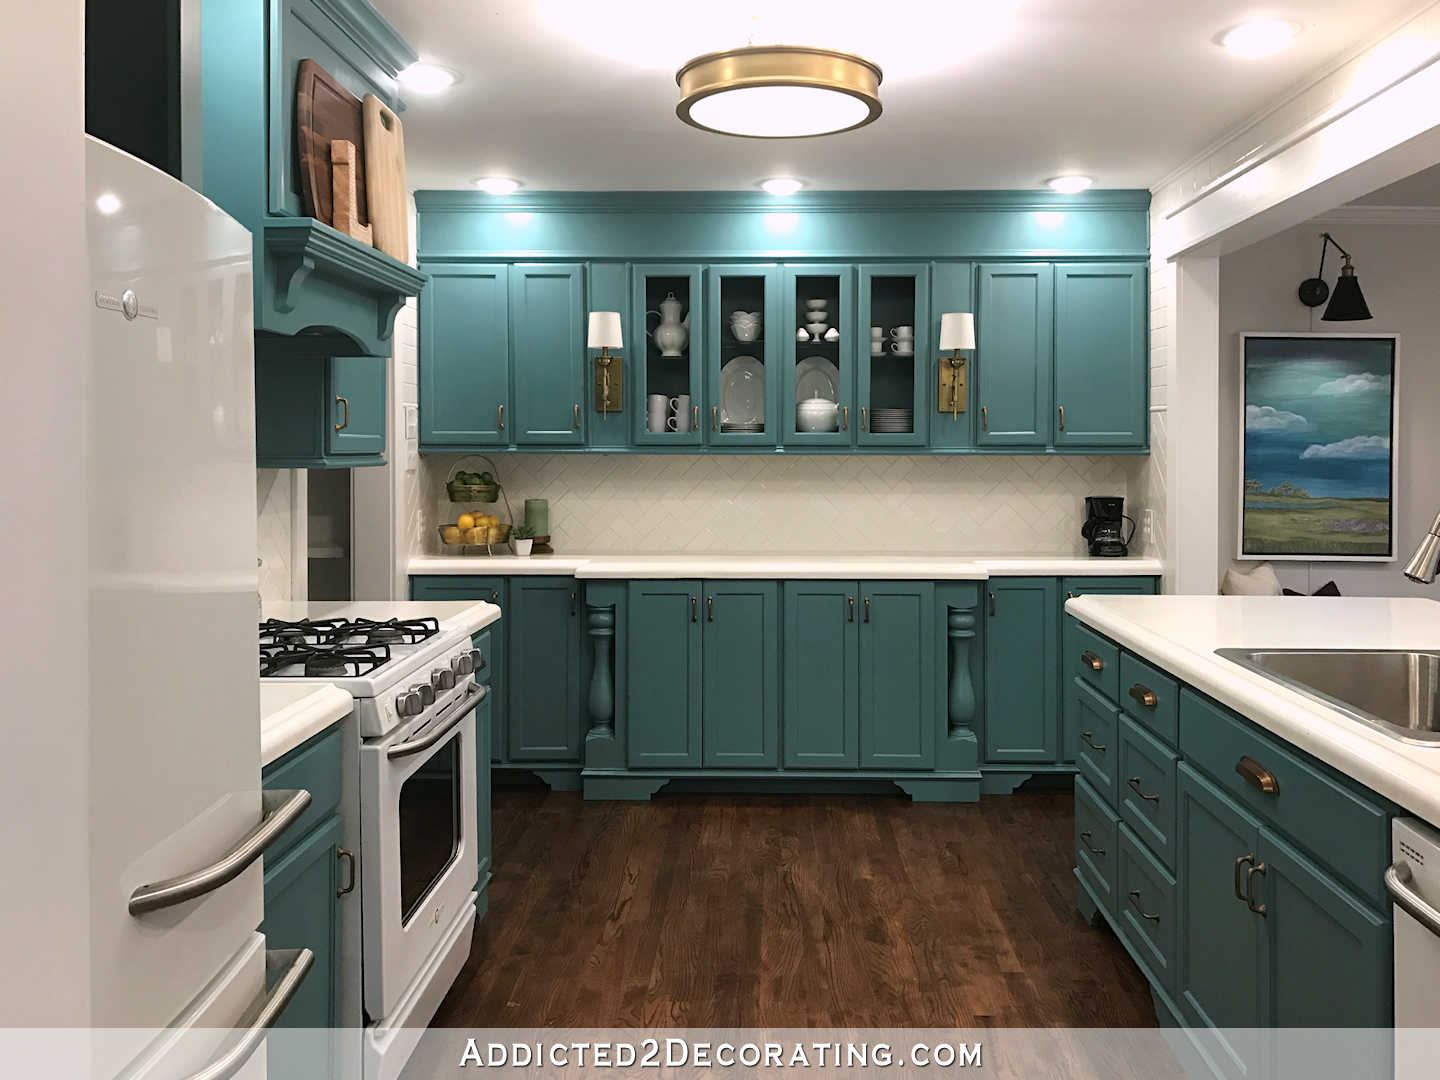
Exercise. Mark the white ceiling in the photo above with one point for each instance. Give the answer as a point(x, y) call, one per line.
point(580, 94)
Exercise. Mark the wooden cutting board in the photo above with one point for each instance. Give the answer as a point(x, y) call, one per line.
point(385, 177)
point(325, 110)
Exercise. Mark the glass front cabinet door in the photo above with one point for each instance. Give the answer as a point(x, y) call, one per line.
point(817, 327)
point(669, 345)
point(742, 308)
point(893, 354)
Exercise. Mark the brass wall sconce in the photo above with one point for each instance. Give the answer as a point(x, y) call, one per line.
point(609, 370)
point(957, 332)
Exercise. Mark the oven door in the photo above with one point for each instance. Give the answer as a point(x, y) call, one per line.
point(418, 835)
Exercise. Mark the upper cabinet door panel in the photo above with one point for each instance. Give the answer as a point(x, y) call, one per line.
point(547, 305)
point(1014, 355)
point(818, 365)
point(464, 357)
point(894, 299)
point(1100, 355)
point(357, 393)
point(667, 336)
point(743, 324)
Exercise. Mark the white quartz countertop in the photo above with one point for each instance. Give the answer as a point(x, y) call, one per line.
point(290, 713)
point(467, 616)
point(800, 565)
point(1181, 634)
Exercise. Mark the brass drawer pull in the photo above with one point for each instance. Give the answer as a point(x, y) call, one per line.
point(1250, 872)
point(1134, 783)
point(1257, 776)
point(1086, 838)
point(1087, 738)
point(1135, 903)
point(1144, 695)
point(1093, 662)
point(1241, 861)
point(1062, 417)
point(346, 422)
point(852, 608)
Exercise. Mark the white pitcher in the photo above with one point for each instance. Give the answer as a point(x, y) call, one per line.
point(672, 334)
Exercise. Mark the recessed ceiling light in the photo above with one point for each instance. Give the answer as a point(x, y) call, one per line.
point(1069, 185)
point(497, 185)
point(1263, 37)
point(782, 185)
point(778, 92)
point(426, 78)
point(108, 203)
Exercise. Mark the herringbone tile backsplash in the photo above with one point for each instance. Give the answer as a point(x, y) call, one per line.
point(656, 504)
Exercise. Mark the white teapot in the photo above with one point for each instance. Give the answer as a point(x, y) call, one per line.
point(673, 333)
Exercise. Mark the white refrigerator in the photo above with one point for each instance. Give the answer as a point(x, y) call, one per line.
point(178, 820)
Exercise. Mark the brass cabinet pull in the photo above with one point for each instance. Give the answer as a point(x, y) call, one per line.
point(1093, 662)
point(1085, 838)
point(845, 423)
point(1134, 783)
point(715, 418)
point(694, 609)
point(349, 859)
point(852, 608)
point(494, 596)
point(577, 416)
point(346, 422)
point(864, 419)
point(984, 418)
point(500, 415)
point(709, 609)
point(1250, 872)
point(694, 418)
point(867, 609)
point(574, 598)
point(1062, 417)
point(1241, 861)
point(992, 603)
point(1088, 738)
point(1134, 895)
point(1257, 776)
point(1144, 695)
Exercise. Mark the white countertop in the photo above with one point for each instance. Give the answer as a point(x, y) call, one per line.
point(1181, 634)
point(290, 713)
point(464, 615)
point(800, 565)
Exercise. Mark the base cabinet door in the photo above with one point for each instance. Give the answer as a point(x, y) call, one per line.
point(821, 679)
point(544, 669)
point(1022, 644)
point(664, 666)
point(897, 675)
point(741, 696)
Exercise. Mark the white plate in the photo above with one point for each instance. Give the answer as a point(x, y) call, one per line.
point(742, 391)
point(816, 376)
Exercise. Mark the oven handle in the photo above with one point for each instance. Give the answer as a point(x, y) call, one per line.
point(281, 808)
point(448, 722)
point(293, 965)
point(1398, 882)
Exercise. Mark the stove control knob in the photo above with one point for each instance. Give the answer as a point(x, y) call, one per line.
point(442, 679)
point(408, 704)
point(426, 692)
point(462, 664)
point(477, 660)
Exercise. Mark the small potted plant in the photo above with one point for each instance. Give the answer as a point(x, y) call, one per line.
point(522, 537)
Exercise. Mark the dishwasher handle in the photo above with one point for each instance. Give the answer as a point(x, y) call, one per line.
point(1398, 883)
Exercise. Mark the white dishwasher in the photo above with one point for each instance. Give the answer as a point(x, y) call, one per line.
point(1413, 882)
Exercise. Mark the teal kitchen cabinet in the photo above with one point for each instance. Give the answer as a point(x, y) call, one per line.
point(1078, 640)
point(821, 714)
point(665, 664)
point(740, 680)
point(666, 340)
point(547, 345)
point(465, 357)
point(811, 368)
point(952, 288)
point(1015, 341)
point(743, 358)
point(892, 377)
point(543, 646)
point(319, 414)
point(1101, 360)
point(1022, 656)
point(897, 675)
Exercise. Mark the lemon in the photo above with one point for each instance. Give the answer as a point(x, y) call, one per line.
point(466, 521)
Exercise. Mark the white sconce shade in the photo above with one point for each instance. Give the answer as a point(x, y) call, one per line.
point(605, 330)
point(957, 330)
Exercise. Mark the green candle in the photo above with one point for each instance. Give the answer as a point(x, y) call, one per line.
point(537, 515)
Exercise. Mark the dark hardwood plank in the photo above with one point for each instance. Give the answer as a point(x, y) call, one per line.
point(805, 911)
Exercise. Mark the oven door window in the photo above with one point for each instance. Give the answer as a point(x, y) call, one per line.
point(429, 826)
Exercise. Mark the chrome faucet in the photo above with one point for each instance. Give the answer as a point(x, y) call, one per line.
point(1425, 563)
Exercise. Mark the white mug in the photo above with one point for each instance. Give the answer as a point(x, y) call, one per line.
point(655, 409)
point(679, 413)
point(902, 333)
point(903, 347)
point(877, 332)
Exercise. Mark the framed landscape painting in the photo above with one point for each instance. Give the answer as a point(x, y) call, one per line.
point(1317, 447)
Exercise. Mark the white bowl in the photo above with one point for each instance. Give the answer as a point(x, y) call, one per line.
point(817, 328)
point(816, 305)
point(821, 419)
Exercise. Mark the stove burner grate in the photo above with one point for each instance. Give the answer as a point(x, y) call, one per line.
point(283, 660)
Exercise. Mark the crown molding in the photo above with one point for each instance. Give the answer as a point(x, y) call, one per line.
point(1361, 214)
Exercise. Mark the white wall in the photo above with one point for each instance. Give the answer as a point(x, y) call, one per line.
point(1399, 269)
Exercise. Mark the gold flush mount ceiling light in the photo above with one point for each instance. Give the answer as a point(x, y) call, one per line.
point(778, 92)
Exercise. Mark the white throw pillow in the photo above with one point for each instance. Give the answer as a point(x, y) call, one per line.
point(1258, 582)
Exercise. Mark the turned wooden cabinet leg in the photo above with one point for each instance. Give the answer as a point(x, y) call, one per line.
point(960, 626)
point(600, 626)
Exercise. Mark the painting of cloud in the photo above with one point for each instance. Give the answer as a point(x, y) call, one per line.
point(1319, 473)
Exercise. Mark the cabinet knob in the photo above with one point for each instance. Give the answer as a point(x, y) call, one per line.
point(345, 404)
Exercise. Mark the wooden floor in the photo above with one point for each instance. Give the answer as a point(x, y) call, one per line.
point(805, 911)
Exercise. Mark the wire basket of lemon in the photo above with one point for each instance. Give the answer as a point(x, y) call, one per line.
point(475, 529)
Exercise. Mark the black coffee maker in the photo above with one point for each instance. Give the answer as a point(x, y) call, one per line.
point(1104, 530)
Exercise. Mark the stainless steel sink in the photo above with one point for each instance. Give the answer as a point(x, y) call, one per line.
point(1393, 691)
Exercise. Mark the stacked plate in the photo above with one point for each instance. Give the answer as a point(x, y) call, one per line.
point(892, 421)
point(743, 428)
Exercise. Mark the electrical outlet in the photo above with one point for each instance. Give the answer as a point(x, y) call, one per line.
point(1149, 533)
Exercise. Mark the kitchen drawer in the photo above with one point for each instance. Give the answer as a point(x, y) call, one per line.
point(1145, 913)
point(1340, 827)
point(1096, 846)
point(314, 765)
point(1097, 728)
point(1093, 658)
point(1146, 788)
point(1151, 697)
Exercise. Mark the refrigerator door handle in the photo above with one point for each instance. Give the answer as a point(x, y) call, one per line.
point(295, 965)
point(281, 808)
